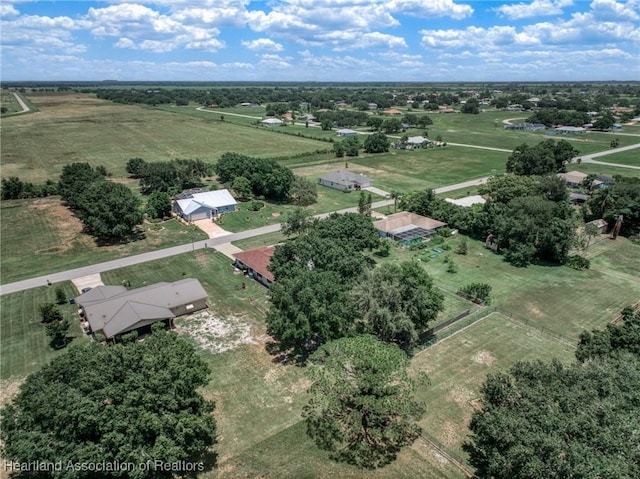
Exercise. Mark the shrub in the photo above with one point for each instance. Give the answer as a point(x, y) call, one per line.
point(463, 246)
point(61, 298)
point(578, 262)
point(444, 232)
point(435, 240)
point(452, 267)
point(476, 292)
point(255, 206)
point(49, 313)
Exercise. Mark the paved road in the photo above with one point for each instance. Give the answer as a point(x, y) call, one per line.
point(186, 248)
point(590, 158)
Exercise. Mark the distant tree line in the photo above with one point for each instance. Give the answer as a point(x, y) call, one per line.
point(12, 188)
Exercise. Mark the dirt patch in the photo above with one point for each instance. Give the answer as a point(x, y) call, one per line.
point(534, 310)
point(66, 224)
point(449, 433)
point(483, 357)
point(215, 334)
point(476, 404)
point(461, 395)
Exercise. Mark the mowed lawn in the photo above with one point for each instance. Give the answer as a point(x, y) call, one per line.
point(558, 299)
point(458, 365)
point(23, 341)
point(78, 128)
point(41, 236)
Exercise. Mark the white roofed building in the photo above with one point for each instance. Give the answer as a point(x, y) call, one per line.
point(208, 204)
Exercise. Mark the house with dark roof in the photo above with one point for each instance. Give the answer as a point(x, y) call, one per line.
point(115, 310)
point(201, 205)
point(345, 180)
point(573, 178)
point(255, 263)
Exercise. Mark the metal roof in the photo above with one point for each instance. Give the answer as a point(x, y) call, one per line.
point(208, 199)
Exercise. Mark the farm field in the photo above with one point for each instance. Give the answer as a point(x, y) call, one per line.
point(78, 128)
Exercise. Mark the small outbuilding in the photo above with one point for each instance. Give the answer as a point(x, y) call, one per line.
point(571, 130)
point(255, 263)
point(600, 224)
point(115, 310)
point(406, 227)
point(573, 179)
point(203, 205)
point(345, 180)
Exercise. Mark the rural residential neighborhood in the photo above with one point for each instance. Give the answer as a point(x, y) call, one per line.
point(320, 239)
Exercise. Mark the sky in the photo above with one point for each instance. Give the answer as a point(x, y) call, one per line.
point(320, 40)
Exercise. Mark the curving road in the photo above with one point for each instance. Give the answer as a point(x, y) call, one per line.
point(23, 105)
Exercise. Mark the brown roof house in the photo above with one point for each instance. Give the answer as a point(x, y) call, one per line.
point(406, 227)
point(114, 310)
point(255, 262)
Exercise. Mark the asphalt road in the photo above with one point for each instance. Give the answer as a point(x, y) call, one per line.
point(185, 248)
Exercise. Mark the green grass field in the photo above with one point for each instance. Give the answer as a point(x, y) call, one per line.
point(50, 239)
point(558, 299)
point(458, 365)
point(76, 128)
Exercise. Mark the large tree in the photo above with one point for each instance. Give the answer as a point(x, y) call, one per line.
point(544, 158)
point(109, 210)
point(124, 403)
point(362, 408)
point(396, 302)
point(556, 421)
point(377, 143)
point(74, 180)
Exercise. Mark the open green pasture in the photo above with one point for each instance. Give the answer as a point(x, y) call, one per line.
point(629, 157)
point(42, 236)
point(23, 340)
point(557, 299)
point(458, 365)
point(603, 169)
point(77, 128)
point(429, 168)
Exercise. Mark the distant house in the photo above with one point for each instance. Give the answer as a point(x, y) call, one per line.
point(412, 143)
point(578, 198)
point(203, 205)
point(272, 122)
point(255, 263)
point(345, 180)
point(570, 130)
point(406, 227)
point(573, 179)
point(602, 181)
point(525, 126)
point(115, 310)
point(372, 106)
point(467, 201)
point(343, 132)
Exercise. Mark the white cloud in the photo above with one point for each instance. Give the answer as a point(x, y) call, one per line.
point(612, 10)
point(431, 8)
point(275, 61)
point(477, 37)
point(536, 8)
point(8, 10)
point(263, 44)
point(238, 65)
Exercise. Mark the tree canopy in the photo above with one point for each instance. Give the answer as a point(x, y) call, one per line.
point(557, 421)
point(362, 407)
point(396, 302)
point(376, 143)
point(546, 157)
point(125, 403)
point(267, 178)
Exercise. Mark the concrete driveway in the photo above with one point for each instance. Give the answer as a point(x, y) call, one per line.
point(212, 229)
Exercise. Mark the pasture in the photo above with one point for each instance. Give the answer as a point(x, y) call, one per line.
point(78, 128)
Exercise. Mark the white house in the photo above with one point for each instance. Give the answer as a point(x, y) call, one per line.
point(346, 132)
point(208, 204)
point(272, 122)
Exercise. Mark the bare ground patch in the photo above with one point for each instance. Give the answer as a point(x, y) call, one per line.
point(9, 388)
point(483, 357)
point(67, 226)
point(214, 333)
